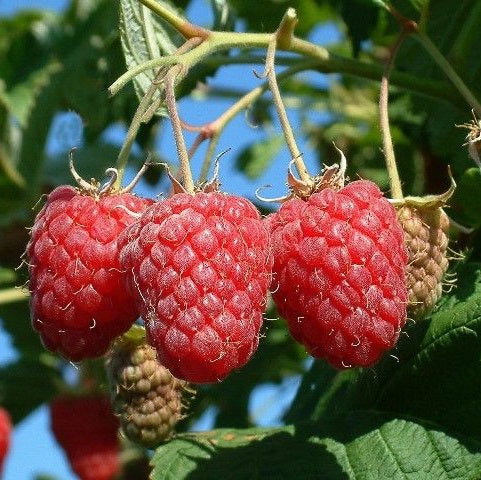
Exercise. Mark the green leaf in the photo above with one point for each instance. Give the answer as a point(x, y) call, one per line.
point(444, 370)
point(16, 321)
point(145, 37)
point(21, 98)
point(361, 19)
point(360, 446)
point(26, 384)
point(7, 276)
point(466, 201)
point(256, 158)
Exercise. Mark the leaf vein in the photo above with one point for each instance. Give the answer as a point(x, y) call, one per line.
point(391, 451)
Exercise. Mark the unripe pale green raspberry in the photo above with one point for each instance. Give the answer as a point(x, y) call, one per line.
point(425, 235)
point(146, 397)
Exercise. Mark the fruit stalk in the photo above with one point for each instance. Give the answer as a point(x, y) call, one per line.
point(284, 35)
point(182, 153)
point(388, 149)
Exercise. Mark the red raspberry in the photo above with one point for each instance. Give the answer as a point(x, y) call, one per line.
point(5, 433)
point(200, 269)
point(339, 273)
point(79, 301)
point(86, 429)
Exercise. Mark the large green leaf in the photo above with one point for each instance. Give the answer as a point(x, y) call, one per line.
point(360, 446)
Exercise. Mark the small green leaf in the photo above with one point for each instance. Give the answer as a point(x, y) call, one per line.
point(16, 321)
point(145, 37)
point(255, 159)
point(466, 201)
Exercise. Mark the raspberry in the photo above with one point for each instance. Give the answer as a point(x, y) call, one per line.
point(425, 234)
point(339, 273)
point(79, 302)
point(145, 395)
point(200, 269)
point(5, 433)
point(86, 428)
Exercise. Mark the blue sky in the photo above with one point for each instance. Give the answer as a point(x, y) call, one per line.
point(34, 450)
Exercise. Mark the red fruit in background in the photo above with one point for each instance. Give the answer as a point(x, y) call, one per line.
point(79, 301)
point(200, 268)
point(86, 428)
point(339, 273)
point(5, 433)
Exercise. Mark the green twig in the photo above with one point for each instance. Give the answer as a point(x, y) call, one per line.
point(214, 129)
point(14, 294)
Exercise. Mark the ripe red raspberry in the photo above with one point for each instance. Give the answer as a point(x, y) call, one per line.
point(200, 268)
point(79, 302)
point(5, 432)
point(339, 273)
point(86, 429)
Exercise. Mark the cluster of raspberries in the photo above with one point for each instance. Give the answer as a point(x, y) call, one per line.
point(197, 269)
point(344, 267)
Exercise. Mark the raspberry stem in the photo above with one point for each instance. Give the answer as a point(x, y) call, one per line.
point(283, 36)
point(213, 130)
point(182, 152)
point(324, 61)
point(388, 149)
